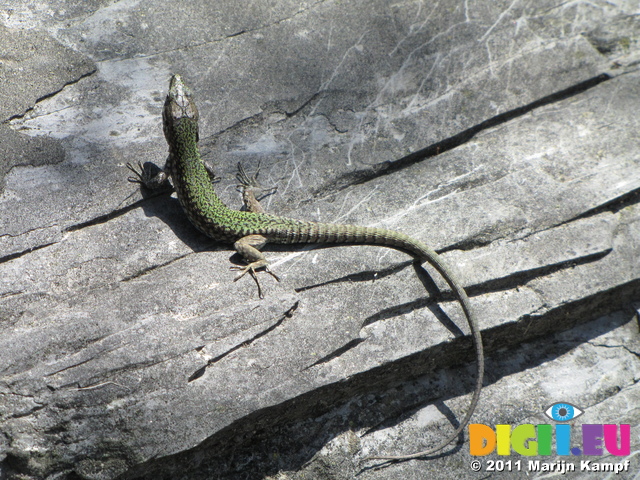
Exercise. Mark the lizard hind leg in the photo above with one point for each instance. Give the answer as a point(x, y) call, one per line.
point(250, 187)
point(249, 247)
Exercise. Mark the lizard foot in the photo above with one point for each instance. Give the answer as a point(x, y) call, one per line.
point(139, 175)
point(149, 176)
point(251, 269)
point(247, 183)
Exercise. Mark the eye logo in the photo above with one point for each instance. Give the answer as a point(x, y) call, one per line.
point(563, 412)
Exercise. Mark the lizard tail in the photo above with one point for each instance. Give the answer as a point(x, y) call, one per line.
point(354, 235)
point(423, 253)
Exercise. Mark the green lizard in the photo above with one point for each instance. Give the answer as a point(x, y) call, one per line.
point(250, 230)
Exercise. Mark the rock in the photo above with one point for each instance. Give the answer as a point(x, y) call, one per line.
point(504, 138)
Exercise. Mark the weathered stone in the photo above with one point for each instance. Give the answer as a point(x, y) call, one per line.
point(505, 136)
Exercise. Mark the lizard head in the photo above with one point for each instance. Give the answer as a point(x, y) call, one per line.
point(180, 114)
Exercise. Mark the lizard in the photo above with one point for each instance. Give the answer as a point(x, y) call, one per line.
point(250, 230)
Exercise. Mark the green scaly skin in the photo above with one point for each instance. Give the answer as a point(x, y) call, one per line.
point(248, 231)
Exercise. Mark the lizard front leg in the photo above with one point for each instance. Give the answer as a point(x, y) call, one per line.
point(150, 176)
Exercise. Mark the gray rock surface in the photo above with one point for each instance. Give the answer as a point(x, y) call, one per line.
point(502, 134)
